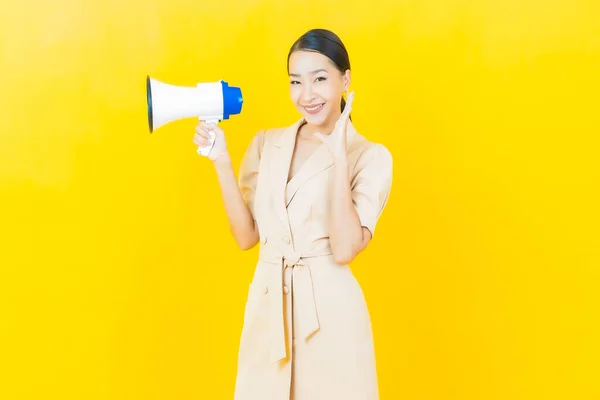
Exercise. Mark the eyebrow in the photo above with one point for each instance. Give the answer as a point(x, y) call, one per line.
point(312, 73)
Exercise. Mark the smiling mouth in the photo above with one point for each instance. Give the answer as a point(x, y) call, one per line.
point(314, 108)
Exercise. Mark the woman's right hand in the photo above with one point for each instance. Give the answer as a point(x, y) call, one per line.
point(202, 138)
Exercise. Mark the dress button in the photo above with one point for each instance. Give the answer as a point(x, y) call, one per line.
point(286, 239)
point(286, 290)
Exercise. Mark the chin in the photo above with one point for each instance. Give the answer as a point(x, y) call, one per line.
point(318, 119)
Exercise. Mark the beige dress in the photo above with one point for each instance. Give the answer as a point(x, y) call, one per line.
point(307, 331)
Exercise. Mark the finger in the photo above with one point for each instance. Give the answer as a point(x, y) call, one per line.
point(319, 136)
point(207, 127)
point(204, 135)
point(350, 99)
point(348, 106)
point(344, 116)
point(215, 128)
point(201, 141)
point(202, 132)
point(210, 126)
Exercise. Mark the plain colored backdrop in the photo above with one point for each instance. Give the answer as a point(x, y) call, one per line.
point(118, 276)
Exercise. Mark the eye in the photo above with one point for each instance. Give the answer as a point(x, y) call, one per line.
point(321, 78)
point(295, 82)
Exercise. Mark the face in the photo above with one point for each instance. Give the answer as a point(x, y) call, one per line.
point(316, 87)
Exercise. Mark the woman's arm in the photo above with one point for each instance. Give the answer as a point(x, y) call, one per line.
point(240, 218)
point(241, 222)
point(346, 234)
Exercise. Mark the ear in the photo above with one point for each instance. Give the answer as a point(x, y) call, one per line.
point(347, 78)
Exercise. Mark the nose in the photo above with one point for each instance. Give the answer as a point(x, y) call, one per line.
point(307, 93)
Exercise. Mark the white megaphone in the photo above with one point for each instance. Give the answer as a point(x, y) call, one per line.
point(211, 102)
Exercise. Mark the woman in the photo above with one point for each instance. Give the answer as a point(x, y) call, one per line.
point(310, 194)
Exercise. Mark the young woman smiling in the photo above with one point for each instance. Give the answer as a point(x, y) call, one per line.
point(310, 194)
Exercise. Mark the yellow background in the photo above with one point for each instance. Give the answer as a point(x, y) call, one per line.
point(119, 279)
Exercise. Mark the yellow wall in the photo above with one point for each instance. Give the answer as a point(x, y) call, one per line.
point(119, 279)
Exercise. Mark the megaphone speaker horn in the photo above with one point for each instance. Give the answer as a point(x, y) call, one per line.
point(211, 102)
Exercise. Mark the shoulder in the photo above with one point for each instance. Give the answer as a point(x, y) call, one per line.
point(368, 153)
point(257, 142)
point(272, 134)
point(260, 137)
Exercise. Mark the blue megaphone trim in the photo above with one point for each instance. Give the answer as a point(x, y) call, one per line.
point(232, 100)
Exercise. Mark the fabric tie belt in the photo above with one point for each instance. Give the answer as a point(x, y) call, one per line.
point(305, 315)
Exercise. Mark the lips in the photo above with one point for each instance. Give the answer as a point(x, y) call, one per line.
point(314, 109)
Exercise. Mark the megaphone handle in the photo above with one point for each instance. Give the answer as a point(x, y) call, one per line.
point(205, 150)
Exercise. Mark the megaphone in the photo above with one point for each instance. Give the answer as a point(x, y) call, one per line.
point(210, 101)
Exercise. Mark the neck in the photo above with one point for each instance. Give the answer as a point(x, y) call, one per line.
point(326, 128)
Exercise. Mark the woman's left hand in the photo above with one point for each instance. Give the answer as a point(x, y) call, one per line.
point(336, 140)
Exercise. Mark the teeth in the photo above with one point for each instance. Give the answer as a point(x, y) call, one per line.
point(314, 107)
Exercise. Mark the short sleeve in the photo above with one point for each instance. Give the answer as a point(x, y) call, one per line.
point(371, 185)
point(248, 172)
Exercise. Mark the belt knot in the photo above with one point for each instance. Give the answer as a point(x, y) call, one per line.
point(305, 316)
point(293, 259)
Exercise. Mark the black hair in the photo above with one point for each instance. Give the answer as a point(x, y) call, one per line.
point(327, 43)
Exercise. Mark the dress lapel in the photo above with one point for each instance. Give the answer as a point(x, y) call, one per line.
point(319, 161)
point(280, 161)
